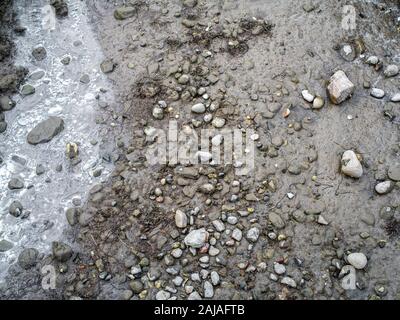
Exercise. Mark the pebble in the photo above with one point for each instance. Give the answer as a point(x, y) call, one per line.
point(6, 103)
point(307, 96)
point(289, 282)
point(123, 13)
point(181, 219)
point(394, 171)
point(358, 260)
point(218, 225)
point(391, 71)
point(196, 238)
point(5, 245)
point(163, 295)
point(253, 234)
point(45, 130)
point(215, 279)
point(384, 187)
point(61, 251)
point(340, 87)
point(28, 258)
point(318, 102)
point(194, 296)
point(15, 184)
point(237, 234)
point(377, 93)
point(351, 166)
point(15, 208)
point(395, 97)
point(218, 122)
point(372, 60)
point(198, 108)
point(279, 268)
point(208, 289)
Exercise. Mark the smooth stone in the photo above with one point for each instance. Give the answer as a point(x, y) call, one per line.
point(391, 71)
point(237, 234)
point(158, 113)
point(208, 289)
point(198, 108)
point(279, 268)
point(318, 102)
point(395, 97)
point(384, 187)
point(123, 13)
point(218, 122)
point(6, 103)
point(377, 93)
point(307, 96)
point(28, 90)
point(372, 60)
point(351, 166)
point(394, 171)
point(358, 260)
point(39, 53)
point(5, 245)
point(45, 130)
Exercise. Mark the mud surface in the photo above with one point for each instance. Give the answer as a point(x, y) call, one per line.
point(286, 230)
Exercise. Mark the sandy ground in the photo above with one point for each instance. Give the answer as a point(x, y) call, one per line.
point(307, 214)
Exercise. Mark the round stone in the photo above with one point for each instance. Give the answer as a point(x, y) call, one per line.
point(358, 260)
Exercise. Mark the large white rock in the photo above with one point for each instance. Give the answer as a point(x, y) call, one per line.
point(391, 71)
point(358, 260)
point(351, 166)
point(340, 87)
point(196, 238)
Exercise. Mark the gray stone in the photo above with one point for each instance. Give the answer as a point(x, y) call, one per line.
point(289, 282)
point(279, 268)
point(276, 220)
point(39, 53)
point(394, 171)
point(123, 13)
point(198, 108)
point(163, 295)
point(6, 103)
point(391, 71)
point(181, 219)
point(28, 258)
point(45, 130)
point(384, 187)
point(107, 66)
point(28, 90)
point(5, 245)
point(395, 97)
point(358, 260)
point(196, 238)
point(208, 289)
point(61, 251)
point(15, 184)
point(377, 93)
point(253, 234)
point(15, 208)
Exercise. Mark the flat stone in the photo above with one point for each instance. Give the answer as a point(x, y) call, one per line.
point(123, 13)
point(394, 171)
point(27, 90)
point(45, 130)
point(5, 245)
point(289, 282)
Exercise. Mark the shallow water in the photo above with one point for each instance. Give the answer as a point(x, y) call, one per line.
point(58, 93)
